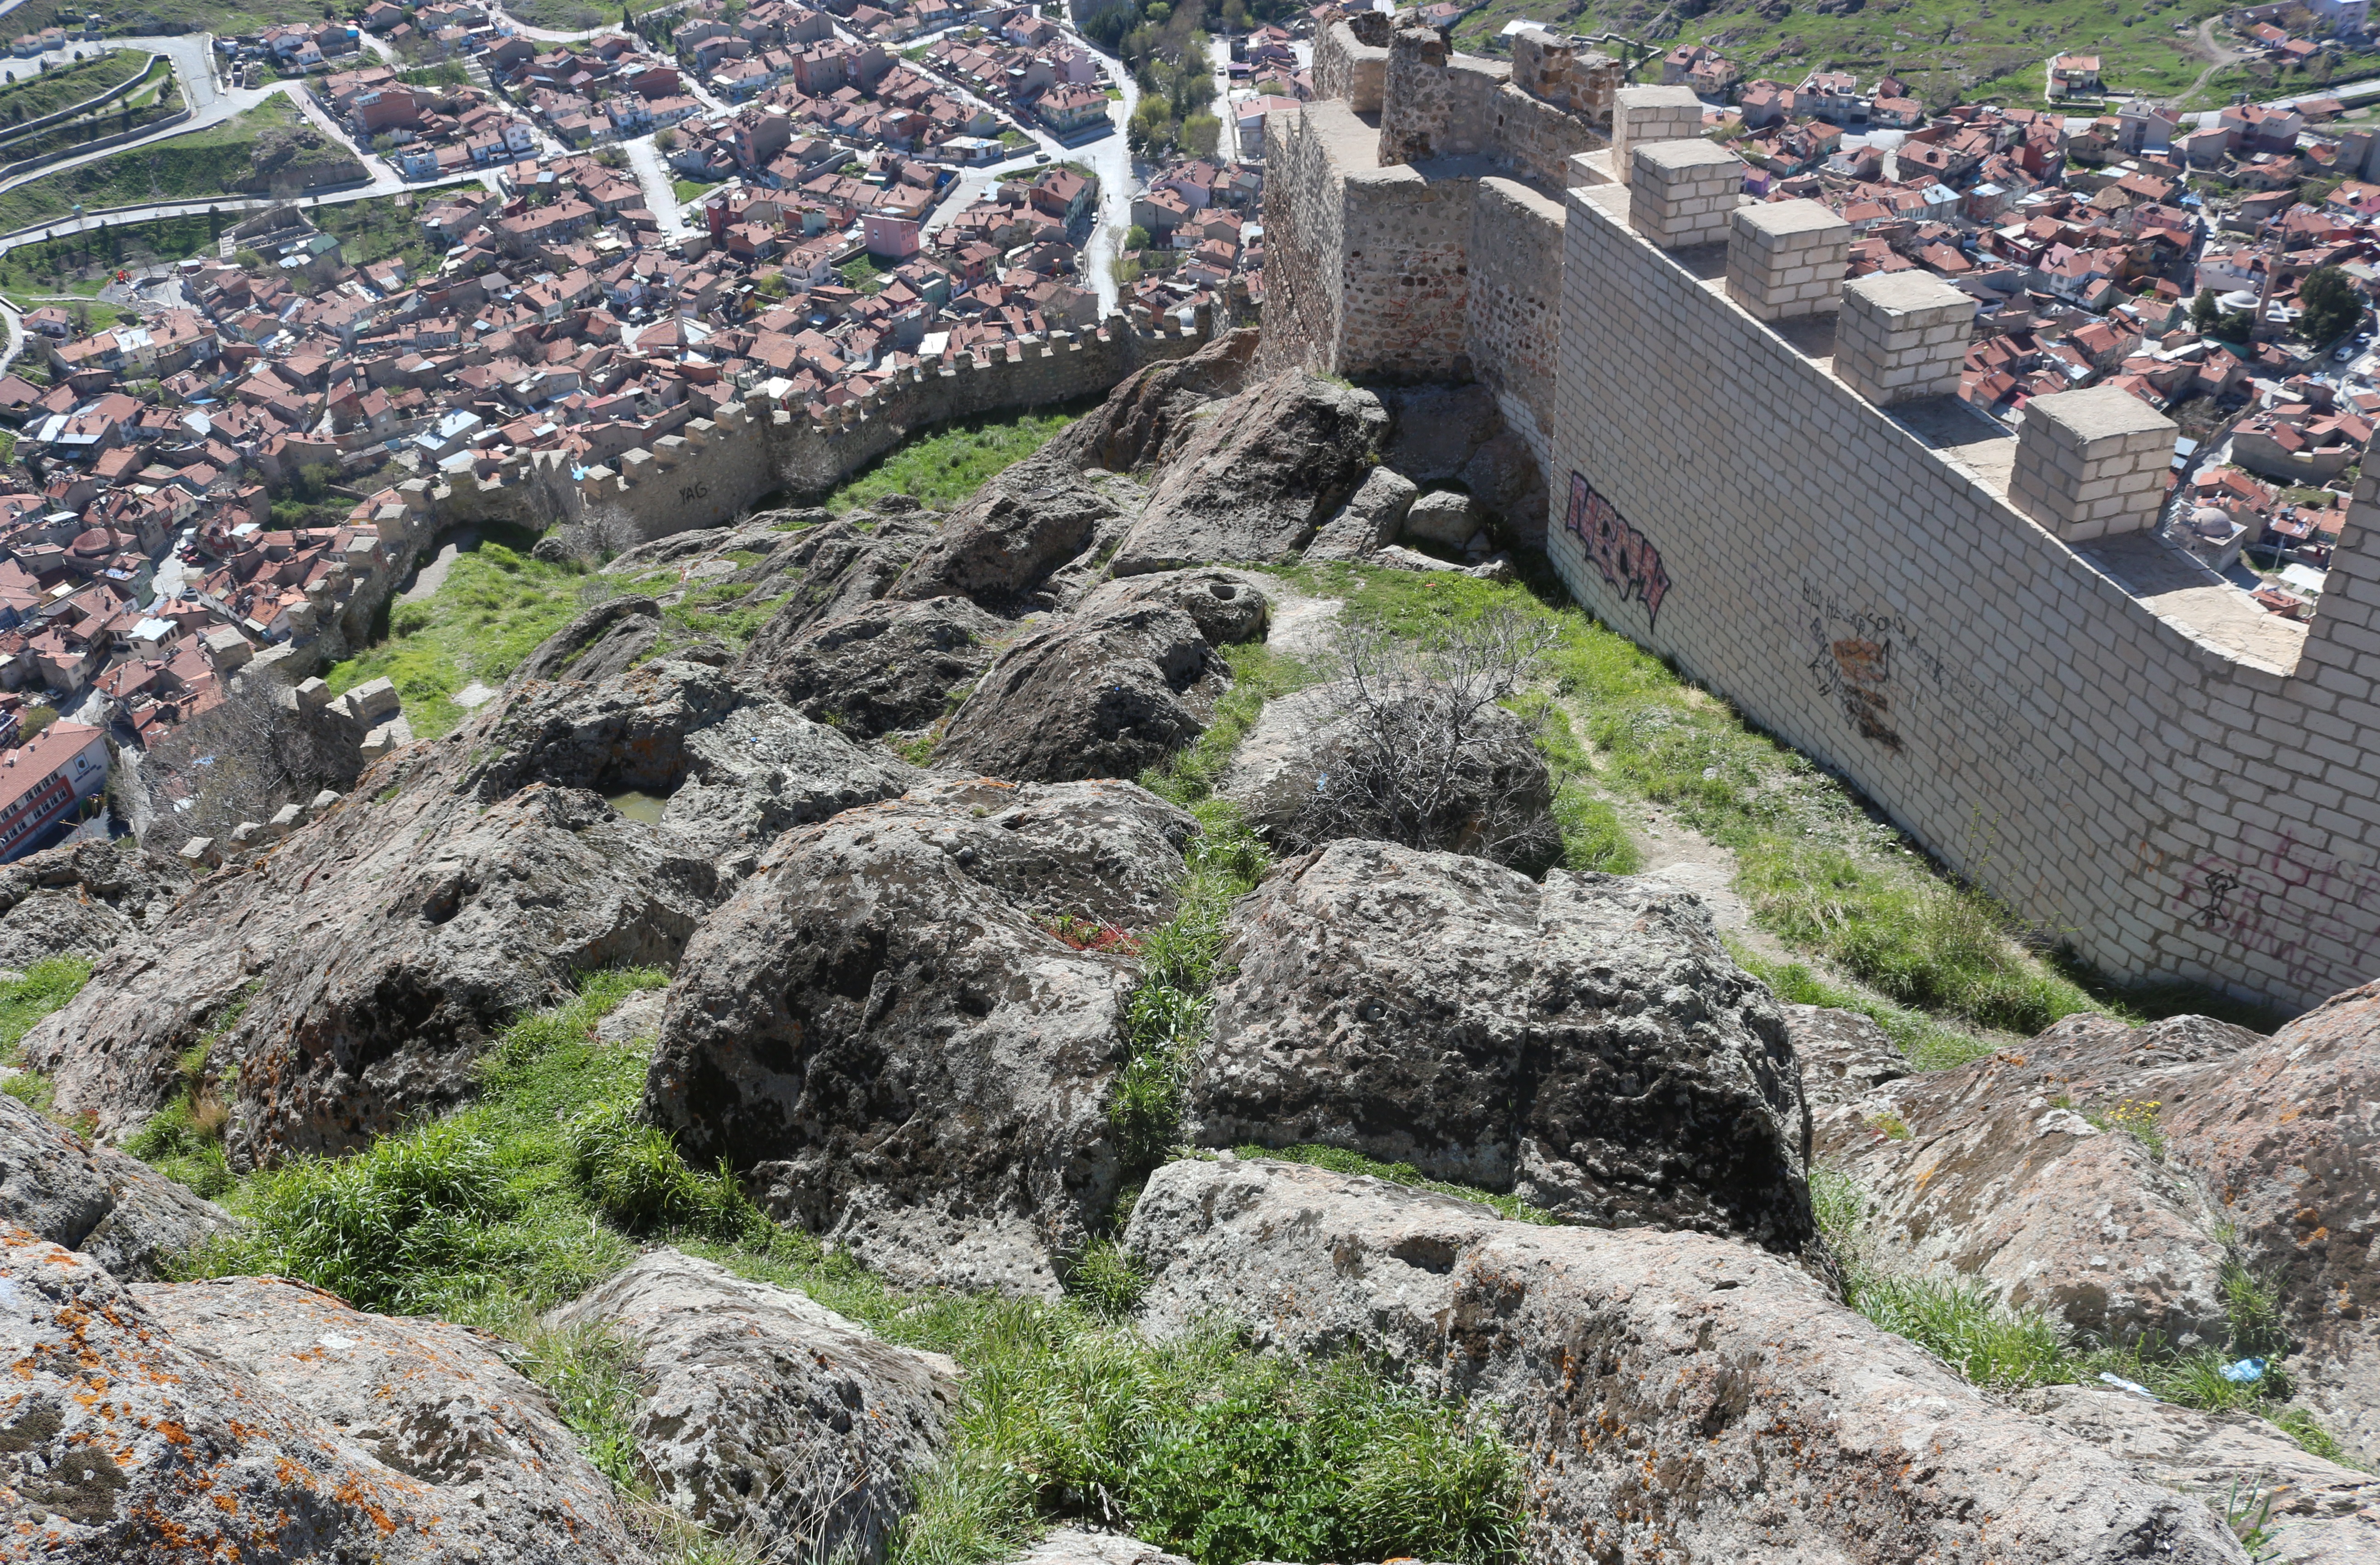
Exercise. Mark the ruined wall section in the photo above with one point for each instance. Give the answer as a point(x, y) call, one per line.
point(1438, 104)
point(1304, 223)
point(1512, 314)
point(1351, 61)
point(1406, 275)
point(2175, 810)
point(763, 446)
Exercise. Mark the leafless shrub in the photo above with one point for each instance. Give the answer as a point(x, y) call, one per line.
point(244, 759)
point(1421, 753)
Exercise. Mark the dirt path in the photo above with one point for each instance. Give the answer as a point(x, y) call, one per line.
point(2217, 53)
point(432, 576)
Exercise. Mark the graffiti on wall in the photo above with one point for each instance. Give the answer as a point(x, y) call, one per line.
point(2286, 902)
point(1864, 661)
point(1631, 565)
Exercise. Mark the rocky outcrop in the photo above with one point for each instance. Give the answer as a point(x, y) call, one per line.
point(602, 642)
point(1010, 534)
point(887, 665)
point(1584, 1044)
point(84, 899)
point(2320, 1513)
point(1846, 1061)
point(760, 1410)
point(1145, 420)
point(1257, 477)
point(1495, 799)
point(257, 1419)
point(1677, 1396)
point(1994, 1170)
point(119, 1212)
point(1456, 434)
point(1229, 606)
point(830, 569)
point(886, 1028)
point(373, 954)
point(1103, 697)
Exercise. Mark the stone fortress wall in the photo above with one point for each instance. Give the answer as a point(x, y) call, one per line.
point(767, 444)
point(1763, 473)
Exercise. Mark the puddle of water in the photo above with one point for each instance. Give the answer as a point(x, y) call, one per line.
point(644, 807)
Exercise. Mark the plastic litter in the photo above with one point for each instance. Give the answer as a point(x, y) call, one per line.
point(2245, 1372)
point(2120, 1384)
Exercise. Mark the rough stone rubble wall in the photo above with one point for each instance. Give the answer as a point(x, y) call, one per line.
point(713, 470)
point(1304, 223)
point(1513, 317)
point(2172, 811)
point(1404, 289)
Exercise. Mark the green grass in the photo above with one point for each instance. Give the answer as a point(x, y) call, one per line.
point(1815, 869)
point(1960, 1321)
point(152, 100)
point(1170, 1010)
point(1928, 1045)
point(1949, 50)
point(1203, 1444)
point(153, 16)
point(691, 190)
point(377, 229)
point(45, 987)
point(493, 608)
point(216, 160)
point(862, 272)
point(1258, 674)
point(943, 467)
point(55, 266)
point(36, 93)
point(1339, 1160)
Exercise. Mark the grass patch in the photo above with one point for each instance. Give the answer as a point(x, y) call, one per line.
point(1203, 1444)
point(1960, 1321)
point(862, 272)
point(214, 160)
point(1168, 1015)
point(45, 987)
point(42, 266)
point(1928, 1045)
point(36, 93)
point(1258, 674)
point(495, 605)
point(1815, 867)
point(375, 229)
point(947, 466)
point(1339, 1160)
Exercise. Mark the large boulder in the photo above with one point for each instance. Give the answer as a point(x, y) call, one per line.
point(891, 1029)
point(761, 1410)
point(1457, 434)
point(258, 1419)
point(1106, 696)
point(119, 1212)
point(1257, 476)
point(1147, 419)
point(1370, 520)
point(2320, 1513)
point(351, 978)
point(1846, 1061)
point(1229, 606)
point(1993, 1169)
point(84, 899)
point(1491, 793)
point(1585, 1044)
point(888, 665)
point(1010, 534)
point(1677, 1396)
point(601, 642)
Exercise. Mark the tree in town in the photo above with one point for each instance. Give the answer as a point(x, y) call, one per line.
point(2205, 312)
point(2332, 304)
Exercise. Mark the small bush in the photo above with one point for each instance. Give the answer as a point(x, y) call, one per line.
point(590, 1374)
point(634, 1175)
point(1107, 1279)
point(2137, 1117)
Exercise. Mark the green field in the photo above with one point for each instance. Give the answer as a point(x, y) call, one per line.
point(154, 99)
point(160, 18)
point(219, 160)
point(1949, 50)
point(81, 263)
point(941, 468)
point(27, 93)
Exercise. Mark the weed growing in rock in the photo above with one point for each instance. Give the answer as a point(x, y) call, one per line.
point(1339, 1160)
point(1167, 1016)
point(2137, 1117)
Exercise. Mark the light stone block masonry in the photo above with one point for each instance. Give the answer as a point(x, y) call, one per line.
point(1786, 259)
point(1642, 116)
point(2092, 463)
point(1684, 193)
point(1901, 336)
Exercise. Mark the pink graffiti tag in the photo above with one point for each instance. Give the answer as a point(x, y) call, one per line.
point(1631, 565)
point(2285, 903)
